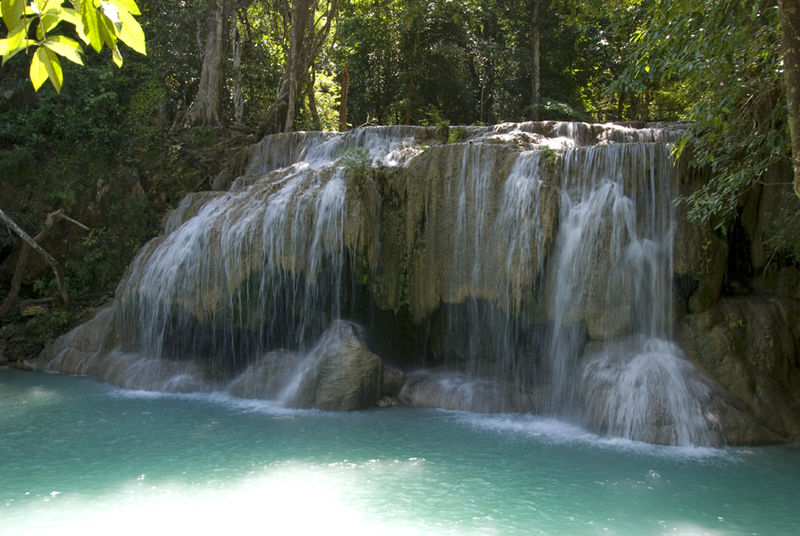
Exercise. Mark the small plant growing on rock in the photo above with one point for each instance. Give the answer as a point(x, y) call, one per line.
point(548, 156)
point(355, 161)
point(457, 134)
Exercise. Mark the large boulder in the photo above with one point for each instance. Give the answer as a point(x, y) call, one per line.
point(338, 374)
point(750, 346)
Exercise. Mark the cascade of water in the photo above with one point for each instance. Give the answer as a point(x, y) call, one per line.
point(497, 246)
point(610, 281)
point(644, 389)
point(254, 269)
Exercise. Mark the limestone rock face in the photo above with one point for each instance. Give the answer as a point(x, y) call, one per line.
point(700, 260)
point(700, 255)
point(339, 374)
point(782, 282)
point(749, 346)
point(443, 221)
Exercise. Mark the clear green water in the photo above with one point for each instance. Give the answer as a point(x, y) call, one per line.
point(82, 457)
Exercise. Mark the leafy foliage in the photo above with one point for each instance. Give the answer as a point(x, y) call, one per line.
point(97, 23)
point(722, 58)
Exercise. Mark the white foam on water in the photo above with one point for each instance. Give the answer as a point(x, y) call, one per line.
point(220, 399)
point(557, 432)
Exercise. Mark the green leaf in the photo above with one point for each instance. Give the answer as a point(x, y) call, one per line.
point(44, 65)
point(51, 18)
point(117, 57)
point(91, 25)
point(126, 5)
point(53, 66)
point(108, 31)
point(64, 46)
point(12, 13)
point(16, 41)
point(70, 15)
point(131, 33)
point(38, 69)
point(73, 16)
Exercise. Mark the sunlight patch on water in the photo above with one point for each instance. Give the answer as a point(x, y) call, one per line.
point(291, 497)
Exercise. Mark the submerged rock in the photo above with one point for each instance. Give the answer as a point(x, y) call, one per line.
point(135, 371)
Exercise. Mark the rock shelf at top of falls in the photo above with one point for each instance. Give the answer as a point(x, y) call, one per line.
point(531, 266)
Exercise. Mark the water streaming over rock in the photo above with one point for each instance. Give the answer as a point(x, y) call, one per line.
point(514, 253)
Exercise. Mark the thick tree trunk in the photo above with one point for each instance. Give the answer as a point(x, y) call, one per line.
point(535, 65)
point(207, 106)
point(301, 12)
point(790, 29)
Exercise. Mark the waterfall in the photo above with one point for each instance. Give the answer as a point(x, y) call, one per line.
point(610, 280)
point(532, 259)
point(256, 268)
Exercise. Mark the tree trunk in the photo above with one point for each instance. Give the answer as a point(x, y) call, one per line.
point(302, 12)
point(408, 109)
point(535, 65)
point(316, 124)
point(238, 99)
point(790, 30)
point(207, 106)
point(343, 102)
point(28, 244)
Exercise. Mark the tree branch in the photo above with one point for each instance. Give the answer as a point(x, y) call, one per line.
point(34, 245)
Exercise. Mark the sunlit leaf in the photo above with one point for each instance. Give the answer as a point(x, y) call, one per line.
point(45, 65)
point(12, 13)
point(132, 34)
point(126, 5)
point(91, 25)
point(107, 30)
point(38, 69)
point(117, 57)
point(64, 46)
point(15, 43)
point(53, 67)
